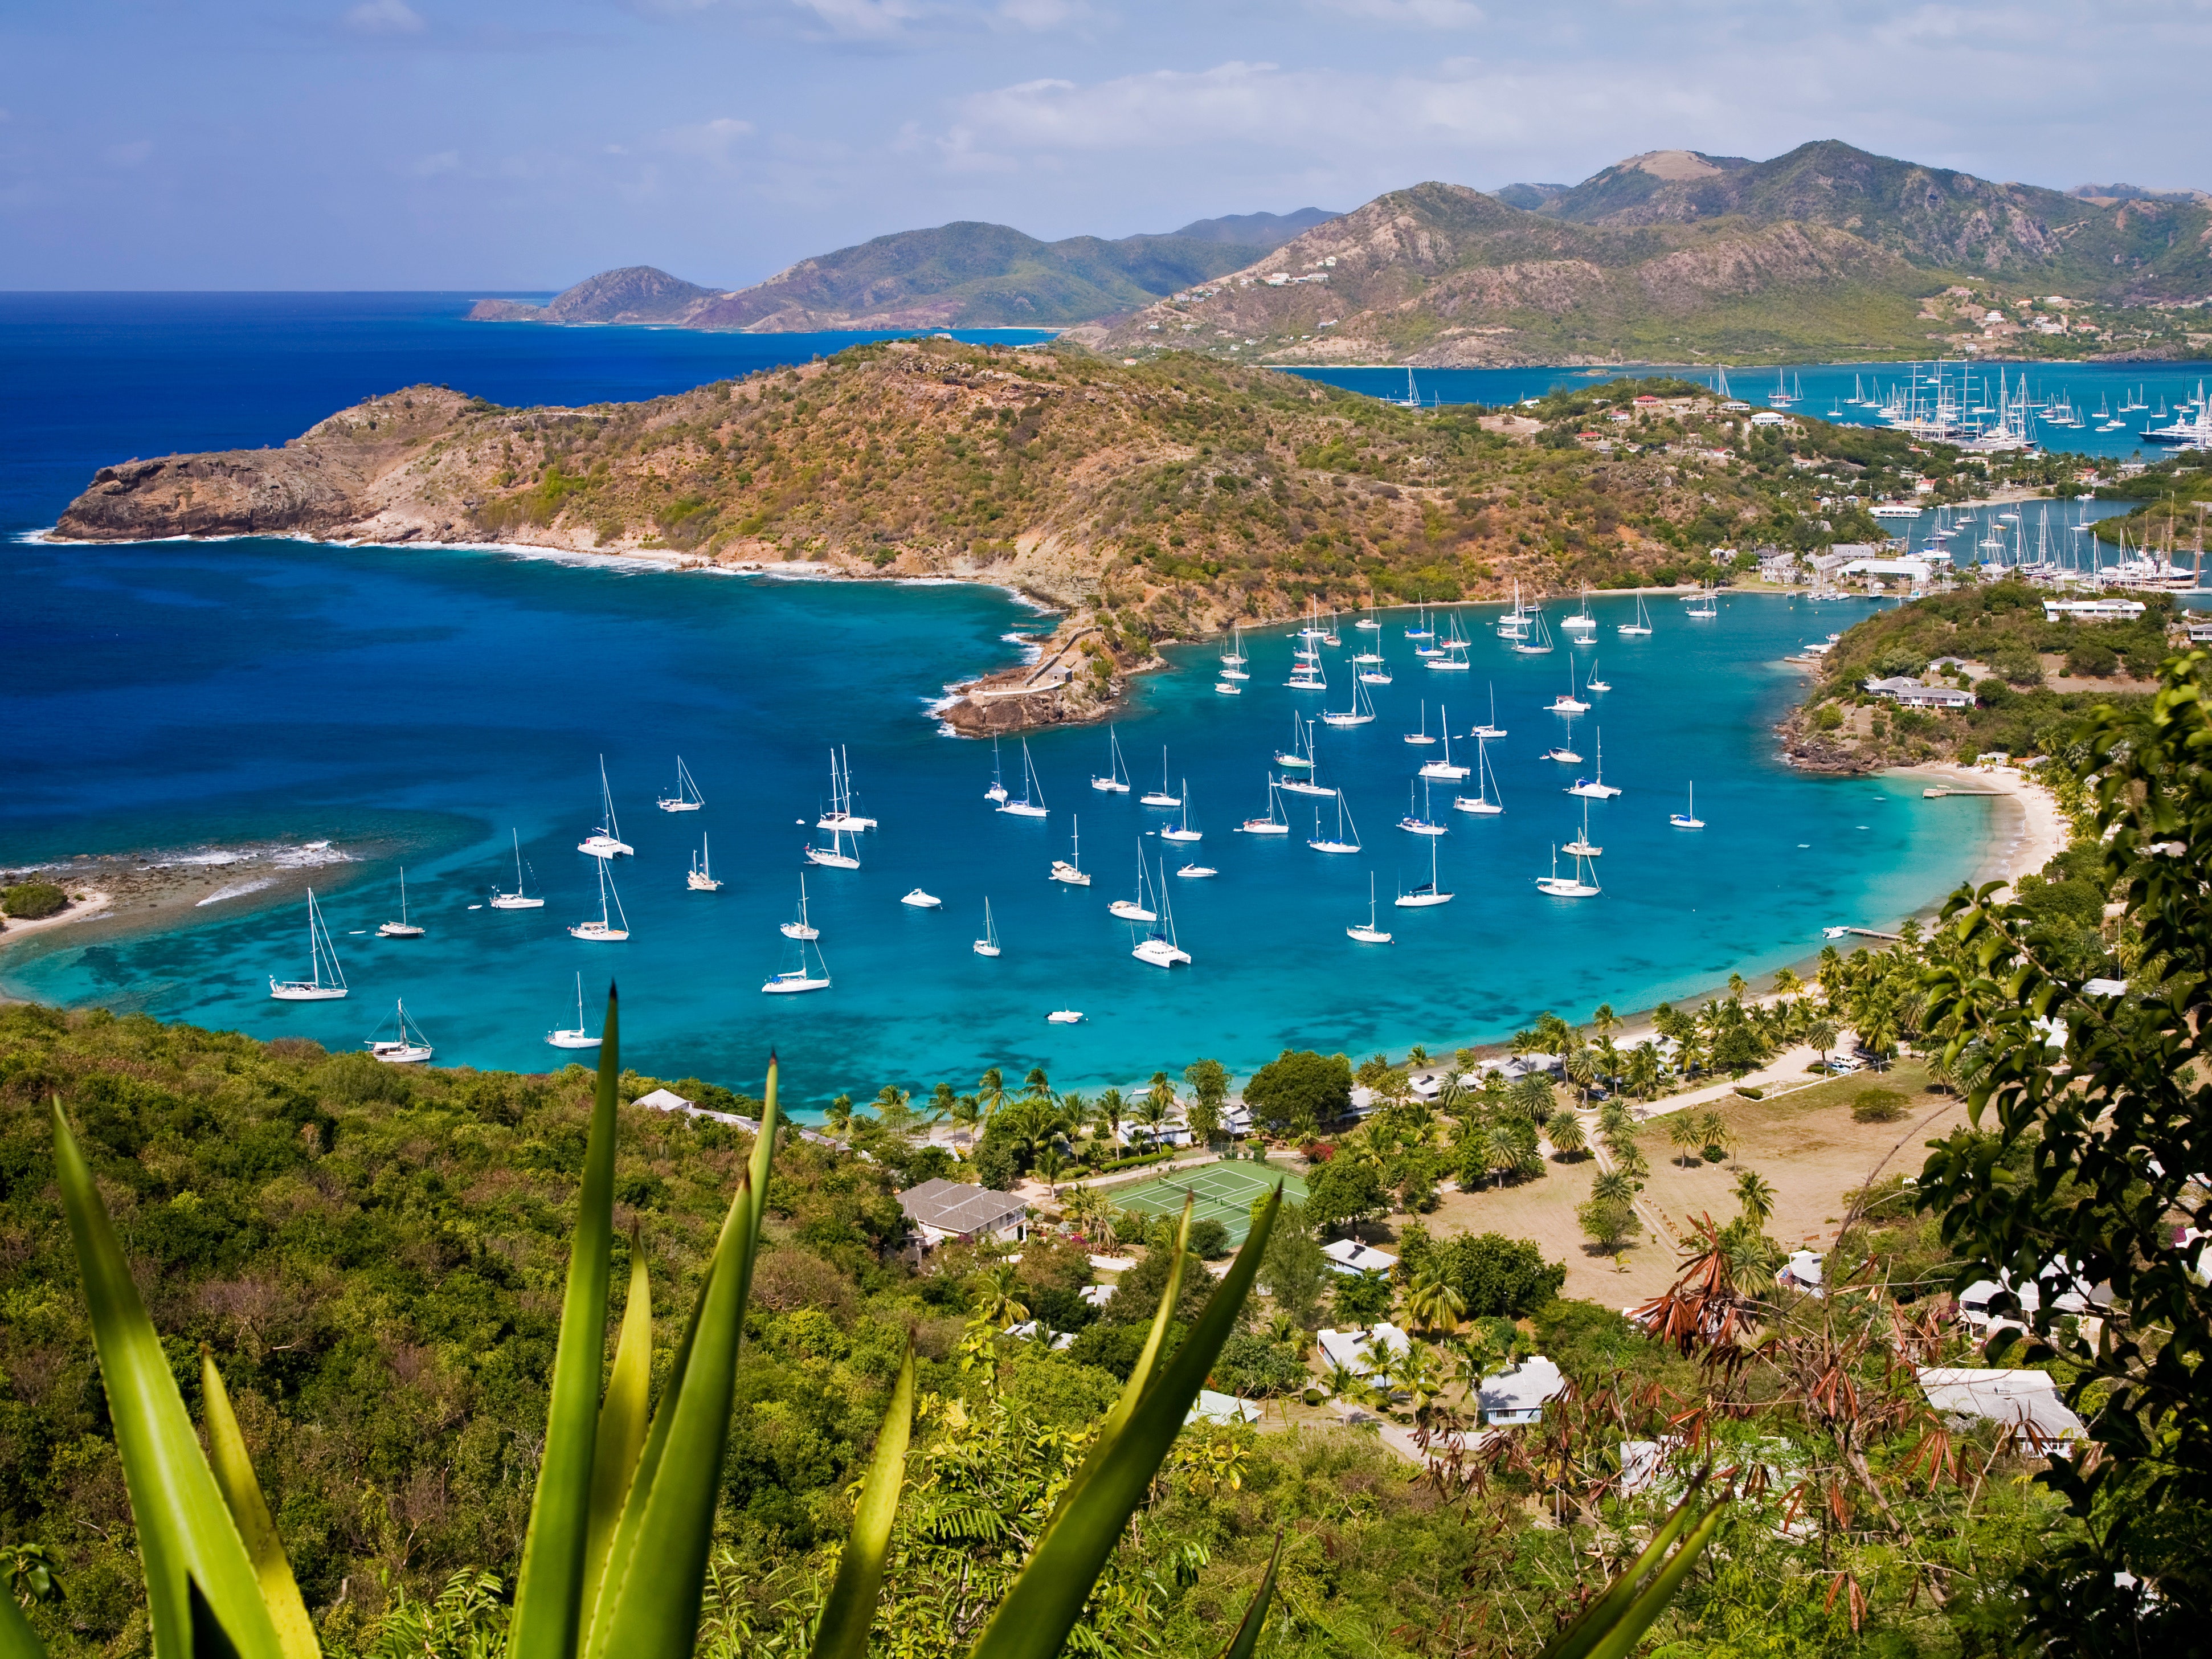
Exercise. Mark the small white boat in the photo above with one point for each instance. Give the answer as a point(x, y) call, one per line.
point(1375, 677)
point(1581, 846)
point(988, 945)
point(605, 840)
point(1421, 630)
point(1116, 781)
point(1183, 831)
point(1369, 623)
point(687, 797)
point(1581, 623)
point(834, 856)
point(1561, 753)
point(996, 794)
point(1137, 909)
point(1196, 871)
point(1031, 805)
point(1485, 781)
point(1567, 703)
point(576, 1037)
point(604, 931)
point(1269, 826)
point(1493, 729)
point(1361, 712)
point(700, 877)
point(1160, 949)
point(1701, 606)
point(1641, 628)
point(1065, 1017)
point(1419, 824)
point(409, 1048)
point(516, 900)
point(321, 958)
point(1300, 757)
point(841, 815)
point(1444, 769)
point(1560, 886)
point(1347, 839)
point(1367, 932)
point(792, 981)
point(801, 928)
point(1223, 689)
point(1540, 644)
point(1428, 892)
point(402, 928)
point(1595, 788)
point(1422, 736)
point(1234, 656)
point(921, 901)
point(1070, 869)
point(1593, 684)
point(1688, 820)
point(1161, 796)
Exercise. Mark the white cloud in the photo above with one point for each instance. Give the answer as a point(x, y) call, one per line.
point(384, 17)
point(713, 141)
point(866, 20)
point(1043, 14)
point(1413, 13)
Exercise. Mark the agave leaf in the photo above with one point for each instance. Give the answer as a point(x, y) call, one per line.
point(851, 1609)
point(17, 1639)
point(1620, 1603)
point(249, 1509)
point(1255, 1616)
point(197, 1571)
point(648, 1604)
point(624, 1418)
point(1034, 1620)
point(1621, 1639)
point(548, 1595)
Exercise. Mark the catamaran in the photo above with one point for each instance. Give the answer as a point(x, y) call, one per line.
point(801, 928)
point(1070, 869)
point(1428, 892)
point(1444, 769)
point(321, 958)
point(1485, 781)
point(402, 928)
point(687, 797)
point(988, 945)
point(834, 856)
point(841, 815)
point(1595, 788)
point(1368, 933)
point(605, 840)
point(1163, 949)
point(1269, 826)
point(409, 1048)
point(700, 877)
point(1641, 627)
point(516, 900)
point(1116, 781)
point(1161, 796)
point(1560, 886)
point(1138, 909)
point(1183, 831)
point(604, 931)
point(1422, 736)
point(1492, 729)
point(1344, 828)
point(996, 794)
point(1419, 824)
point(1688, 820)
point(1567, 703)
point(793, 980)
point(1581, 846)
point(575, 1036)
point(1031, 805)
point(1361, 712)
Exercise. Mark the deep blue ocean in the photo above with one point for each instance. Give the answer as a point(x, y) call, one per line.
point(418, 705)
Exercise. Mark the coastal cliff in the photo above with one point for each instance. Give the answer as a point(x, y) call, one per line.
point(1147, 503)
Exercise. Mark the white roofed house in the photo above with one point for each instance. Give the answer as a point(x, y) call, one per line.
point(1517, 1394)
point(945, 1210)
point(2026, 1402)
point(1361, 1352)
point(1908, 693)
point(1349, 1256)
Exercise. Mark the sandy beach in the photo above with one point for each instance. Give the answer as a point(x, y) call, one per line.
point(2037, 831)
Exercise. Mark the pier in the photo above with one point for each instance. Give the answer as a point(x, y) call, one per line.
point(1942, 789)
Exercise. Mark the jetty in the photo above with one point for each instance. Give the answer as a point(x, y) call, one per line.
point(1942, 789)
point(1861, 932)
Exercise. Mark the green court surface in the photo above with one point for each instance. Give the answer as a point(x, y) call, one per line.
point(1223, 1192)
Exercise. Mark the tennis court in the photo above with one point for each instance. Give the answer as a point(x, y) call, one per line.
point(1223, 1192)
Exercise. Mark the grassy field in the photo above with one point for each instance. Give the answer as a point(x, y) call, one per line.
point(1223, 1192)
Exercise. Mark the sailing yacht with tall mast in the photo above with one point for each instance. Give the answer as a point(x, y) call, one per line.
point(1567, 703)
point(1368, 933)
point(1138, 909)
point(1116, 781)
point(1347, 839)
point(575, 1036)
point(605, 840)
point(1069, 870)
point(841, 815)
point(1298, 757)
point(1641, 627)
point(996, 794)
point(402, 928)
point(988, 945)
point(1421, 737)
point(1700, 607)
point(1311, 784)
point(1444, 770)
point(1234, 656)
point(1484, 781)
point(1162, 796)
point(799, 927)
point(1273, 824)
point(700, 877)
point(792, 981)
point(1572, 886)
point(1581, 846)
point(1162, 948)
point(1419, 824)
point(1031, 805)
point(1428, 892)
point(1492, 729)
point(687, 797)
point(1595, 788)
point(409, 1048)
point(518, 900)
point(1183, 831)
point(1541, 644)
point(604, 931)
point(834, 856)
point(1582, 626)
point(1688, 820)
point(1361, 712)
point(322, 959)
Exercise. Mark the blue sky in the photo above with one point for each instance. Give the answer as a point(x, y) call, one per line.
point(485, 145)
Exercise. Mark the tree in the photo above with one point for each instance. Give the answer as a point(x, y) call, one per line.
point(1360, 1299)
point(1615, 1187)
point(1755, 1195)
point(1604, 1021)
point(1209, 1082)
point(995, 1295)
point(1644, 1070)
point(1036, 1086)
point(1684, 1135)
point(1715, 1138)
point(1049, 1164)
point(1294, 1272)
point(1787, 984)
point(964, 1113)
point(991, 1091)
point(1607, 1223)
point(1434, 1303)
point(1153, 1107)
point(1821, 1036)
point(1298, 1090)
point(1533, 1099)
point(1346, 1189)
point(1582, 1070)
point(1565, 1133)
point(1109, 1111)
point(1496, 1276)
point(1877, 1030)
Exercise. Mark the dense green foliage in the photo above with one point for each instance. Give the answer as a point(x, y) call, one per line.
point(31, 901)
point(1298, 1090)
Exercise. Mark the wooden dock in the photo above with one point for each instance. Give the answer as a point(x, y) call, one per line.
point(1941, 790)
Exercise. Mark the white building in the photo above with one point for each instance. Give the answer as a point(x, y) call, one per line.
point(2026, 1402)
point(942, 1210)
point(1361, 1352)
point(1912, 694)
point(2092, 610)
point(1518, 1395)
point(1349, 1256)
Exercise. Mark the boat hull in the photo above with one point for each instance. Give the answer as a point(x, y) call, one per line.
point(780, 986)
point(599, 933)
point(295, 991)
point(831, 861)
point(515, 902)
point(571, 1040)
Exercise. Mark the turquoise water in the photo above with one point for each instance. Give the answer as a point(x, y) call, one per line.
point(423, 701)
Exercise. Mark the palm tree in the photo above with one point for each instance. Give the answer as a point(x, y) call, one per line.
point(1036, 1086)
point(1713, 1132)
point(996, 1297)
point(1821, 1034)
point(1416, 1057)
point(1435, 1304)
point(991, 1091)
point(1787, 984)
point(1755, 1195)
point(1532, 1097)
point(1567, 1137)
point(1877, 1029)
point(1682, 1134)
point(1344, 1382)
point(1048, 1165)
point(1086, 1209)
point(1737, 985)
point(1643, 1070)
point(1152, 1108)
point(1110, 1110)
point(1581, 1069)
point(1604, 1021)
point(1614, 1187)
point(965, 1113)
point(1419, 1376)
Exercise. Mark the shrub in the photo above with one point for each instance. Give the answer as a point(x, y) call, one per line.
point(1607, 1223)
point(1827, 718)
point(30, 901)
point(1749, 1093)
point(1255, 1367)
point(1877, 1106)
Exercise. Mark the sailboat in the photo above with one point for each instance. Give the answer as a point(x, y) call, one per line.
point(1701, 606)
point(1451, 657)
point(1307, 673)
point(1580, 846)
point(1419, 824)
point(1160, 797)
point(321, 958)
point(794, 979)
point(516, 900)
point(409, 1048)
point(1541, 645)
point(687, 797)
point(1563, 755)
point(1310, 785)
point(402, 928)
point(576, 1036)
point(1368, 933)
point(1595, 788)
point(1688, 820)
point(1031, 805)
point(1234, 656)
point(1428, 892)
point(1339, 844)
point(841, 815)
point(1269, 826)
point(701, 878)
point(1560, 886)
point(996, 794)
point(1222, 688)
point(801, 928)
point(1116, 781)
point(834, 856)
point(1641, 627)
point(1493, 729)
point(604, 931)
point(1567, 703)
point(1485, 781)
point(1421, 629)
point(988, 945)
point(1136, 909)
point(1361, 712)
point(1370, 623)
point(1070, 869)
point(1444, 769)
point(1422, 736)
point(1163, 949)
point(1581, 623)
point(1593, 684)
point(1183, 831)
point(1299, 756)
point(605, 841)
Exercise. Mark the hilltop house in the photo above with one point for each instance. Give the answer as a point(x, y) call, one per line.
point(1912, 694)
point(942, 1210)
point(1518, 1395)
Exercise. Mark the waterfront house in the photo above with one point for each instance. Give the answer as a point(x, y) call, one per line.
point(1912, 694)
point(942, 1210)
point(2092, 610)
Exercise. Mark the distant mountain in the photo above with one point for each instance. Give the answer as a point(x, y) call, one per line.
point(635, 294)
point(2133, 193)
point(1261, 230)
point(1530, 197)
